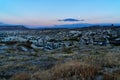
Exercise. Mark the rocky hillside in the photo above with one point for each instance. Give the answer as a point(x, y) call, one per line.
point(91, 53)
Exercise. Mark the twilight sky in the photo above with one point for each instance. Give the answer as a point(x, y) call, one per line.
point(52, 12)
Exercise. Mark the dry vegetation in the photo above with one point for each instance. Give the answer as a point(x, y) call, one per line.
point(74, 63)
point(72, 70)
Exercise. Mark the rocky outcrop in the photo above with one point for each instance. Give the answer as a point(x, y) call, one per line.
point(49, 40)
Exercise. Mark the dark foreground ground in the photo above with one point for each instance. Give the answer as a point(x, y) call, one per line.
point(73, 63)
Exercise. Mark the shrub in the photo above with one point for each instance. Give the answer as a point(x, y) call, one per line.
point(21, 76)
point(69, 71)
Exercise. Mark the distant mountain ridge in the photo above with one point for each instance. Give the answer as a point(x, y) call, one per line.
point(13, 27)
point(79, 25)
